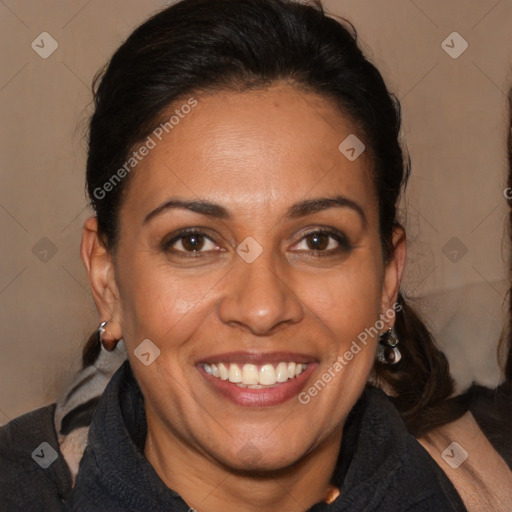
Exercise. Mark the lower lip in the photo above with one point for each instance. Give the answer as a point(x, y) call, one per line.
point(263, 397)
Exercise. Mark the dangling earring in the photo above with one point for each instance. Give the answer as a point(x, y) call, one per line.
point(388, 351)
point(106, 338)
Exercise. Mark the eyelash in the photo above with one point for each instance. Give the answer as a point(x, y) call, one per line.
point(343, 244)
point(167, 245)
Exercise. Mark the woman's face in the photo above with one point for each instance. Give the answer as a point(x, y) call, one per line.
point(249, 251)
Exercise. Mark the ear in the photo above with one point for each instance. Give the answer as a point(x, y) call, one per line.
point(100, 269)
point(394, 270)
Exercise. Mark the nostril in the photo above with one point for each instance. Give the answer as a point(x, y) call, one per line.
point(259, 302)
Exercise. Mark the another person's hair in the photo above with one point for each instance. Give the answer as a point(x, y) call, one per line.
point(199, 46)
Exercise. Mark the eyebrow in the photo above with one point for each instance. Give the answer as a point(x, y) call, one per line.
point(202, 207)
point(301, 209)
point(311, 206)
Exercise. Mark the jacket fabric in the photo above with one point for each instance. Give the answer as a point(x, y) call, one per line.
point(381, 467)
point(33, 476)
point(492, 409)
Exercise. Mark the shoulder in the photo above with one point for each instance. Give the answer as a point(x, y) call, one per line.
point(476, 469)
point(421, 475)
point(33, 473)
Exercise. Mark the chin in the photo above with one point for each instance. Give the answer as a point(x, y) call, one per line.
point(263, 458)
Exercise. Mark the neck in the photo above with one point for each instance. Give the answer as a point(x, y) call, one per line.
point(209, 486)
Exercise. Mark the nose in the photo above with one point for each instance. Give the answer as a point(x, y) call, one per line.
point(258, 300)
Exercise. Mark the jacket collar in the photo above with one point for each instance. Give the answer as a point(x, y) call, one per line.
point(115, 473)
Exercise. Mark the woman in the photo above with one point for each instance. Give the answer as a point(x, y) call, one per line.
point(244, 167)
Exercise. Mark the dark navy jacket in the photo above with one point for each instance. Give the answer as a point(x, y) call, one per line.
point(26, 486)
point(380, 467)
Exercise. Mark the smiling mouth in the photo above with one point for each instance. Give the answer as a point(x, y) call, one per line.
point(255, 376)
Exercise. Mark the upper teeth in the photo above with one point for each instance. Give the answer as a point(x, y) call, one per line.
point(254, 376)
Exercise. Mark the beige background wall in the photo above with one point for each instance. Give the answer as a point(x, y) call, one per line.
point(454, 125)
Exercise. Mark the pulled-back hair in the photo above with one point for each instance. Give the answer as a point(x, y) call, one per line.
point(199, 46)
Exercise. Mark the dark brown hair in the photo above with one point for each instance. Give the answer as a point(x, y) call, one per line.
point(203, 45)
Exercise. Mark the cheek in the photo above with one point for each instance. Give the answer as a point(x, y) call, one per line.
point(156, 299)
point(162, 304)
point(169, 310)
point(347, 301)
point(347, 306)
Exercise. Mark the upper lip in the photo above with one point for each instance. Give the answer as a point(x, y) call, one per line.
point(257, 358)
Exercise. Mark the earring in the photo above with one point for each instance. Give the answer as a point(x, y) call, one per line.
point(106, 338)
point(388, 352)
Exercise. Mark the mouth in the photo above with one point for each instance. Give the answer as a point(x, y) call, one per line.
point(257, 380)
point(252, 376)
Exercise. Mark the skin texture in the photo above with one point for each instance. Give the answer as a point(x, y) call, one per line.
point(256, 154)
point(483, 480)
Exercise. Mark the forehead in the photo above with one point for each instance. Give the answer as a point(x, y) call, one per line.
point(260, 147)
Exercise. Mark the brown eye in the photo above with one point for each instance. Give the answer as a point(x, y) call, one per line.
point(193, 242)
point(323, 243)
point(317, 241)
